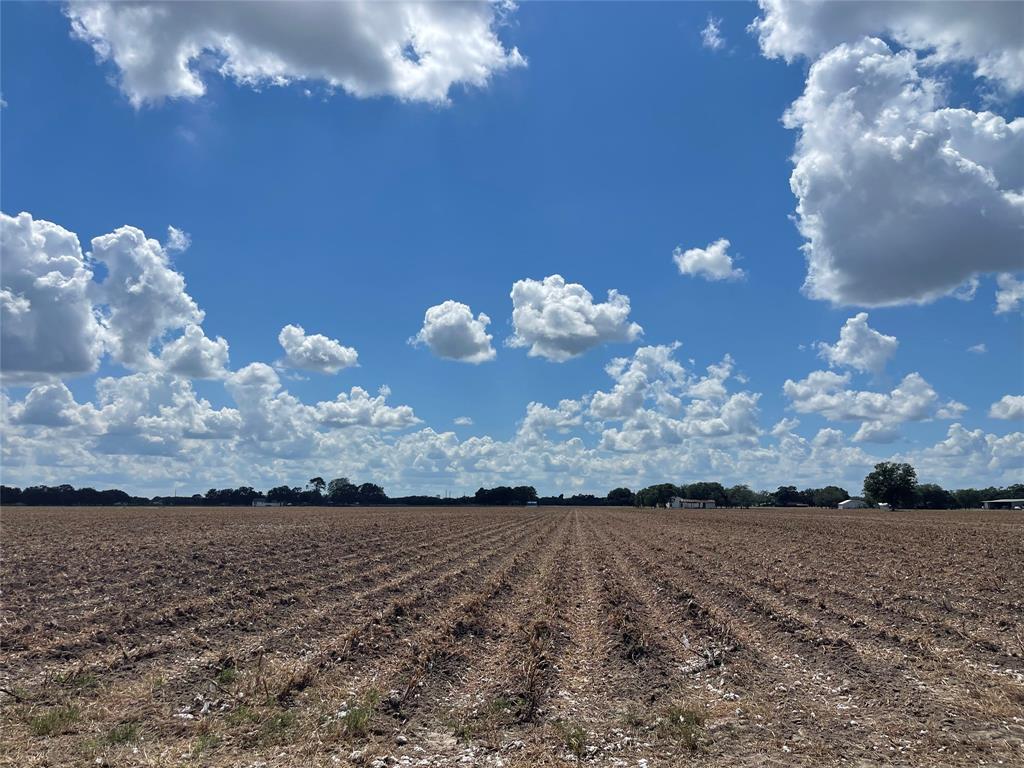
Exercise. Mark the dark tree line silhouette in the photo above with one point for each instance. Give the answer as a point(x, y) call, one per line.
point(893, 483)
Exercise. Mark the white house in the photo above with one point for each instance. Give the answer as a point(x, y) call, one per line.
point(265, 503)
point(855, 503)
point(679, 503)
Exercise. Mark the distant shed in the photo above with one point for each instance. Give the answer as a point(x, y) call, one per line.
point(265, 503)
point(854, 503)
point(679, 503)
point(1003, 504)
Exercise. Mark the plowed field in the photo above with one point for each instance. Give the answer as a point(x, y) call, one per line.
point(511, 637)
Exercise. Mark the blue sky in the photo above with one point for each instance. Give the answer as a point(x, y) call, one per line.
point(622, 138)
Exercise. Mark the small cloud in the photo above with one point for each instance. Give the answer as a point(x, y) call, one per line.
point(711, 263)
point(464, 421)
point(314, 352)
point(1009, 293)
point(966, 290)
point(978, 349)
point(1008, 407)
point(177, 239)
point(451, 332)
point(711, 35)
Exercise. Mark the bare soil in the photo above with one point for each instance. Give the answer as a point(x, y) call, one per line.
point(510, 637)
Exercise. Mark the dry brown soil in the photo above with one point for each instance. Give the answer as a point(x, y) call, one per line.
point(510, 637)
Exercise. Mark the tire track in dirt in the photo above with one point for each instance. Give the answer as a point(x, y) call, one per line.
point(504, 689)
point(135, 619)
point(883, 694)
point(863, 653)
point(379, 628)
point(442, 653)
point(188, 615)
point(114, 660)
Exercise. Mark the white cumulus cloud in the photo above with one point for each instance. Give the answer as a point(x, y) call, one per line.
point(314, 352)
point(712, 262)
point(145, 297)
point(880, 413)
point(48, 325)
point(195, 356)
point(860, 346)
point(414, 51)
point(899, 198)
point(450, 331)
point(1009, 293)
point(557, 320)
point(1008, 407)
point(986, 34)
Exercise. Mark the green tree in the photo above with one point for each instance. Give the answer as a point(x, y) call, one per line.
point(656, 495)
point(741, 496)
point(894, 483)
point(341, 491)
point(317, 484)
point(786, 496)
point(713, 491)
point(370, 493)
point(932, 496)
point(621, 497)
point(829, 496)
point(967, 498)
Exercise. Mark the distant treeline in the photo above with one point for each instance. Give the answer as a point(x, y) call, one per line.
point(342, 492)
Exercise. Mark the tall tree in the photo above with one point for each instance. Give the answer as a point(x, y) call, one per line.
point(317, 484)
point(829, 496)
point(894, 483)
point(932, 496)
point(341, 491)
point(621, 497)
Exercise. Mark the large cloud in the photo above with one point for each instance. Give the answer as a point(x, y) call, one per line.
point(969, 454)
point(53, 405)
point(880, 413)
point(986, 34)
point(860, 346)
point(314, 352)
point(163, 432)
point(540, 419)
point(900, 200)
point(145, 297)
point(450, 331)
point(557, 320)
point(358, 408)
point(657, 402)
point(58, 320)
point(414, 51)
point(48, 324)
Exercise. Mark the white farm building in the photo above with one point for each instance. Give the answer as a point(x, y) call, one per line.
point(679, 503)
point(1003, 504)
point(853, 504)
